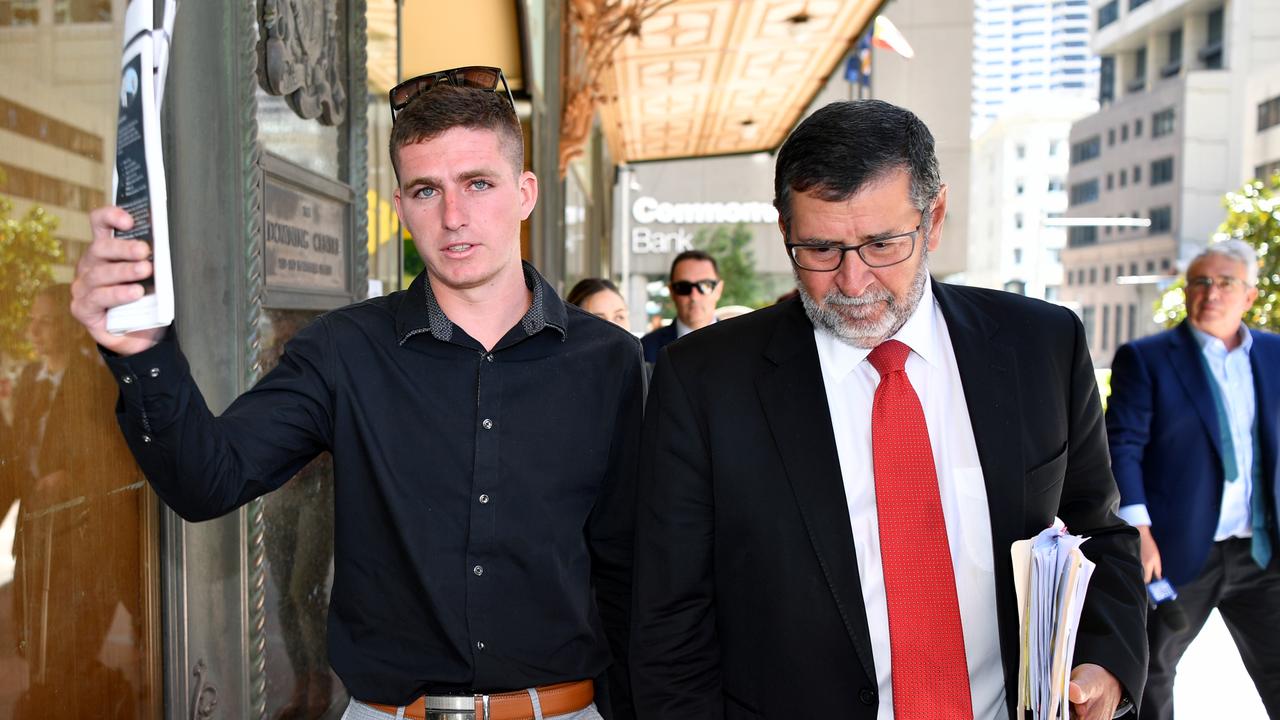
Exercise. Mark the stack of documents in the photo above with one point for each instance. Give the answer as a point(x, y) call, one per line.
point(1051, 576)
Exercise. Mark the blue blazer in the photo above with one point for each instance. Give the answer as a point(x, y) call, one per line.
point(656, 340)
point(1166, 449)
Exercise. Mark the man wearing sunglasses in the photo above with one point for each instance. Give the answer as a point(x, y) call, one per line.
point(695, 288)
point(829, 487)
point(483, 435)
point(1194, 429)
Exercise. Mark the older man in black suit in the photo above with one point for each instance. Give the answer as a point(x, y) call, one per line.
point(831, 486)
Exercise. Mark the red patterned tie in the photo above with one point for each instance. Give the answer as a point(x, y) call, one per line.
point(930, 675)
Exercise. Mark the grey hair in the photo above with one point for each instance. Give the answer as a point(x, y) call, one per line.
point(1238, 250)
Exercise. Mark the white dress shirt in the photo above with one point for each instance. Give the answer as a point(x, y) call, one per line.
point(1234, 376)
point(850, 385)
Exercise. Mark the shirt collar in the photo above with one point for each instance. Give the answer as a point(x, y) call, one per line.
point(1213, 345)
point(917, 333)
point(420, 311)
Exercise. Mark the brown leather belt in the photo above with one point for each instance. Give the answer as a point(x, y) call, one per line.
point(560, 699)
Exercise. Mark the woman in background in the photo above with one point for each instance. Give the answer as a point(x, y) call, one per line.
point(600, 297)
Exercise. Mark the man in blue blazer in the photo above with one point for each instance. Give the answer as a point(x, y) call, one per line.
point(695, 289)
point(1194, 429)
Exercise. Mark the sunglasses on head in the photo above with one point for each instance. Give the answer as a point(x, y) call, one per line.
point(685, 287)
point(479, 77)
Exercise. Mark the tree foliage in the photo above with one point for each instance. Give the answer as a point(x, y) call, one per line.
point(1253, 215)
point(731, 247)
point(28, 252)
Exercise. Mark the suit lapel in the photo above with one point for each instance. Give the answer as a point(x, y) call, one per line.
point(1185, 357)
point(795, 406)
point(989, 376)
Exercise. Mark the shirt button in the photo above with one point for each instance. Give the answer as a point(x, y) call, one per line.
point(127, 379)
point(146, 438)
point(478, 570)
point(867, 696)
point(480, 645)
point(484, 499)
point(155, 372)
point(489, 357)
point(487, 424)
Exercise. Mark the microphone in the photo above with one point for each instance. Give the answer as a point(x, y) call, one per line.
point(1164, 604)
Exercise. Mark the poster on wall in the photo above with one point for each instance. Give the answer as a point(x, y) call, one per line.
point(138, 181)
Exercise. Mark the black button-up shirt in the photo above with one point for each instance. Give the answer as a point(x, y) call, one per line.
point(483, 499)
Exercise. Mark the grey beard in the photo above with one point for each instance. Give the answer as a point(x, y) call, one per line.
point(842, 316)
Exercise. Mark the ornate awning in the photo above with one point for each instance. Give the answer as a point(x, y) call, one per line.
point(715, 77)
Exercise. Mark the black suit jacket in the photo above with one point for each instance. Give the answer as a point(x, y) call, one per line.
point(747, 597)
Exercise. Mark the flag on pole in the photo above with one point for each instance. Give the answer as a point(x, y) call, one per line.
point(857, 69)
point(888, 36)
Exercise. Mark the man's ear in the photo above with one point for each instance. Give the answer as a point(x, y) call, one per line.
point(528, 193)
point(937, 216)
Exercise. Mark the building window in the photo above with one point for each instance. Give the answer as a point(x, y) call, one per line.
point(1119, 271)
point(1054, 147)
point(1173, 63)
point(1093, 276)
point(1137, 174)
point(1133, 268)
point(1110, 181)
point(1269, 113)
point(1087, 319)
point(1137, 127)
point(19, 12)
point(1111, 137)
point(1162, 123)
point(1108, 13)
point(1124, 133)
point(1165, 264)
point(1124, 177)
point(1051, 293)
point(1106, 274)
point(1138, 82)
point(1085, 192)
point(1021, 150)
point(1133, 317)
point(1106, 325)
point(1020, 187)
point(1116, 341)
point(1017, 220)
point(1161, 220)
point(1162, 171)
point(1017, 256)
point(1107, 80)
point(1070, 278)
point(1211, 53)
point(1086, 149)
point(1266, 170)
point(1056, 184)
point(1135, 4)
point(1081, 236)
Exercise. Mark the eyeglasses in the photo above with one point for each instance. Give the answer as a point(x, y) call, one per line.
point(685, 287)
point(882, 252)
point(479, 77)
point(1224, 283)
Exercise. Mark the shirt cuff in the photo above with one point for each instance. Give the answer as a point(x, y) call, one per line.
point(1135, 514)
point(149, 383)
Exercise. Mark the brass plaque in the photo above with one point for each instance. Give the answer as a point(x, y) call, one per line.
point(305, 239)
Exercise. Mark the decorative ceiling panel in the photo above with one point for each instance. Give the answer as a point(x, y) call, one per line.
point(714, 77)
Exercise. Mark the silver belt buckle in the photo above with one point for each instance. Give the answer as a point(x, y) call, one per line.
point(455, 707)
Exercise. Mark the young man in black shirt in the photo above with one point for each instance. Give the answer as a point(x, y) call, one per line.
point(483, 437)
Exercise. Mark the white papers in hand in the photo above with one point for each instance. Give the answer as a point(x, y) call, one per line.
point(1051, 576)
point(138, 183)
